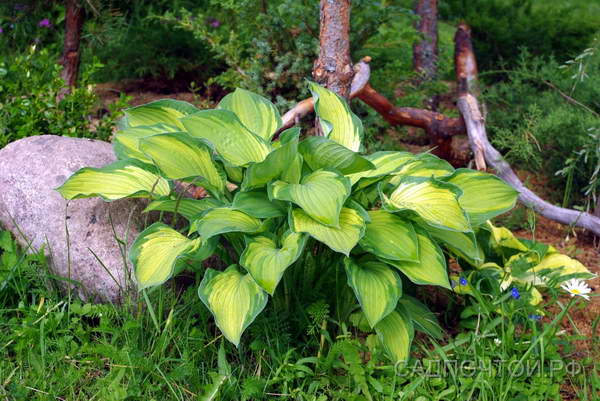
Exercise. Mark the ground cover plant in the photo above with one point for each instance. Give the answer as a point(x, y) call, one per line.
point(273, 202)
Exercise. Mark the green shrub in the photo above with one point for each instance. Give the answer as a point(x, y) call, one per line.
point(502, 26)
point(316, 204)
point(29, 87)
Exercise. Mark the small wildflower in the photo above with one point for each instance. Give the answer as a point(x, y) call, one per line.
point(1, 30)
point(45, 23)
point(215, 23)
point(497, 341)
point(514, 292)
point(535, 317)
point(463, 281)
point(577, 287)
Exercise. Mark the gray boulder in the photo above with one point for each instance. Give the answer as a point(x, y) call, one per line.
point(79, 236)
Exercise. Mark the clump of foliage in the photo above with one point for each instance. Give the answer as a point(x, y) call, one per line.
point(545, 117)
point(29, 87)
point(276, 201)
point(501, 26)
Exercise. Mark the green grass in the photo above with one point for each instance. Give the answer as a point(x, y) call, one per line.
point(56, 348)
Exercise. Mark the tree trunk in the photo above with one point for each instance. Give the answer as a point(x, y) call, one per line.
point(71, 55)
point(333, 68)
point(425, 51)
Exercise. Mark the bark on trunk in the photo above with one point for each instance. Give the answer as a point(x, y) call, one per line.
point(333, 68)
point(71, 56)
point(466, 75)
point(425, 51)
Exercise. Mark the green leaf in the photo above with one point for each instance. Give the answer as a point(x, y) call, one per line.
point(431, 270)
point(425, 165)
point(225, 220)
point(320, 152)
point(267, 263)
point(320, 194)
point(257, 204)
point(180, 156)
point(234, 142)
point(188, 208)
point(395, 334)
point(233, 298)
point(126, 142)
point(376, 286)
point(121, 179)
point(461, 244)
point(423, 319)
point(341, 239)
point(484, 196)
point(503, 237)
point(164, 111)
point(385, 162)
point(276, 163)
point(391, 237)
point(258, 114)
point(434, 201)
point(155, 252)
point(337, 120)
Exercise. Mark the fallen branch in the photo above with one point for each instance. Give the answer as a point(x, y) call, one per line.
point(466, 71)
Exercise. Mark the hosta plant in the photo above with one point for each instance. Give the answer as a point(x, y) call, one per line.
point(385, 218)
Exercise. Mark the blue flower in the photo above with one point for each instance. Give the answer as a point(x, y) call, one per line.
point(535, 317)
point(463, 281)
point(514, 292)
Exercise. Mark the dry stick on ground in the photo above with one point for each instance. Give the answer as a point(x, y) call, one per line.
point(425, 51)
point(466, 72)
point(71, 56)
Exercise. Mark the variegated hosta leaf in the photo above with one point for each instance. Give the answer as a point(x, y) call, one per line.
point(390, 237)
point(434, 201)
point(320, 194)
point(423, 319)
point(484, 196)
point(376, 286)
point(337, 121)
point(155, 251)
point(180, 156)
point(320, 152)
point(503, 237)
point(126, 141)
point(164, 111)
point(258, 114)
point(431, 270)
point(266, 262)
point(277, 162)
point(425, 165)
point(385, 162)
point(395, 334)
point(234, 142)
point(121, 179)
point(257, 204)
point(554, 268)
point(225, 220)
point(341, 239)
point(188, 208)
point(233, 298)
point(461, 244)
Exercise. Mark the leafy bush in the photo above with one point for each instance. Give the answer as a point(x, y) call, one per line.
point(544, 118)
point(501, 26)
point(278, 201)
point(29, 106)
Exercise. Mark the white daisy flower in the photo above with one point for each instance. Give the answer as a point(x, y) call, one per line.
point(497, 341)
point(577, 287)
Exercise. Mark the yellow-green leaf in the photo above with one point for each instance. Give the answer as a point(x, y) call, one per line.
point(390, 237)
point(267, 262)
point(320, 152)
point(337, 120)
point(258, 114)
point(460, 244)
point(376, 286)
point(180, 156)
point(225, 220)
point(385, 162)
point(188, 208)
point(257, 204)
point(503, 237)
point(126, 142)
point(395, 334)
point(341, 239)
point(484, 196)
point(233, 298)
point(164, 111)
point(434, 201)
point(231, 139)
point(121, 179)
point(320, 194)
point(155, 252)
